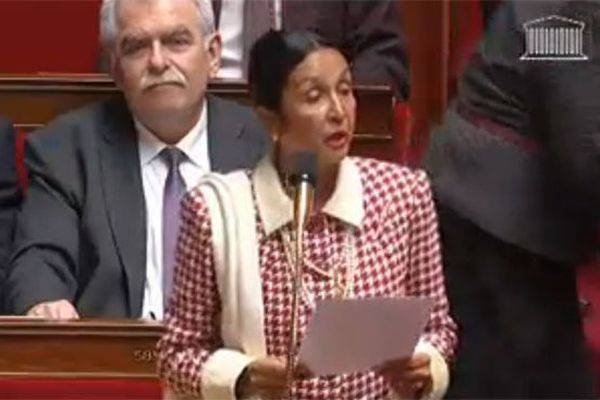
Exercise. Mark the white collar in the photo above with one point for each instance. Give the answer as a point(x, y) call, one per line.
point(150, 145)
point(276, 208)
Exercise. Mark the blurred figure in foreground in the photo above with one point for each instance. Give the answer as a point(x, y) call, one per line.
point(516, 171)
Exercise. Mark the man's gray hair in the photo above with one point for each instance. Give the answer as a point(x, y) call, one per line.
point(109, 25)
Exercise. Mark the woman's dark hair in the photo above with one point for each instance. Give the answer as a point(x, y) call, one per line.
point(272, 59)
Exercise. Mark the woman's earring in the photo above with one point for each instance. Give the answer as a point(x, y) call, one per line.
point(276, 136)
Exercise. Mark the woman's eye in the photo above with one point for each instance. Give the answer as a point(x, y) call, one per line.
point(313, 95)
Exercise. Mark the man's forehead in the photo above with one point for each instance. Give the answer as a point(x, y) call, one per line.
point(155, 31)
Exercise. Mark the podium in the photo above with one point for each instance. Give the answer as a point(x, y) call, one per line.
point(82, 359)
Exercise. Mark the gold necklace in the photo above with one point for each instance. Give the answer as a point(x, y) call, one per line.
point(343, 285)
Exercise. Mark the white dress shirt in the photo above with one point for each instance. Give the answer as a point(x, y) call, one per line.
point(154, 174)
point(231, 28)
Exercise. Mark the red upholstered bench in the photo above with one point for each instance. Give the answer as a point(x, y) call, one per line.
point(588, 282)
point(20, 157)
point(80, 389)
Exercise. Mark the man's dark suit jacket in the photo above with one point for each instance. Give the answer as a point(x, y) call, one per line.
point(10, 197)
point(519, 153)
point(81, 234)
point(368, 32)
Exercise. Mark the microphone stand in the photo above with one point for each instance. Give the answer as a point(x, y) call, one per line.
point(302, 207)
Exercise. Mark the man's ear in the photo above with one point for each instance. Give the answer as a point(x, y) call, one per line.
point(271, 121)
point(213, 49)
point(115, 71)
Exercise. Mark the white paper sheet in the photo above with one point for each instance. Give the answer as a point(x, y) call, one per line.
point(352, 335)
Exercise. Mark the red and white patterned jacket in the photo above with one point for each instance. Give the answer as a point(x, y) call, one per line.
point(391, 213)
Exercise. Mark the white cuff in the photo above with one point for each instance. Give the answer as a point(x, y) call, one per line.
point(220, 373)
point(440, 376)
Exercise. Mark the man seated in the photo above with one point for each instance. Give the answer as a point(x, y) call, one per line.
point(10, 197)
point(369, 32)
point(98, 226)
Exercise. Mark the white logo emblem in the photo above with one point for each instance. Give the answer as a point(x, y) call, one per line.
point(554, 38)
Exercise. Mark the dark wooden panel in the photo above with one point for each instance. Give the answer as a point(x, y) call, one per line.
point(32, 101)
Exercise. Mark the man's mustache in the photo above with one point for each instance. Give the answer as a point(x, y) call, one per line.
point(170, 76)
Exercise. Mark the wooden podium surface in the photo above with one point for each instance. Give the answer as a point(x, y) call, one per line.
point(37, 348)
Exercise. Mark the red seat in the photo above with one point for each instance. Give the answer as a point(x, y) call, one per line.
point(588, 282)
point(20, 159)
point(80, 389)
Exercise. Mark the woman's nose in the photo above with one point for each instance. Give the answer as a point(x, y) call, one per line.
point(336, 108)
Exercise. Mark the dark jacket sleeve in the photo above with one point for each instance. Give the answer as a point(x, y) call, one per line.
point(521, 142)
point(45, 258)
point(567, 111)
point(552, 102)
point(376, 44)
point(569, 115)
point(10, 197)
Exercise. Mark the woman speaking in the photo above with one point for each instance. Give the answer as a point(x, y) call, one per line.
point(372, 232)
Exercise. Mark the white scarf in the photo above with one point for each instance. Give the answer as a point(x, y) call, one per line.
point(233, 219)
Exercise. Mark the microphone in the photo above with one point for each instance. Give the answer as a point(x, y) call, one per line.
point(303, 177)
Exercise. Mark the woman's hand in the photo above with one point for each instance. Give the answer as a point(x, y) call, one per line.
point(265, 377)
point(410, 377)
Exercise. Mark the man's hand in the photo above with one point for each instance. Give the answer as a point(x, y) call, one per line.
point(59, 309)
point(410, 377)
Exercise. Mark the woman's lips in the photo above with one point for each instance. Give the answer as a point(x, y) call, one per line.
point(338, 140)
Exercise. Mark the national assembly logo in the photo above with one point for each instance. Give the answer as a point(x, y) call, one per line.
point(554, 38)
